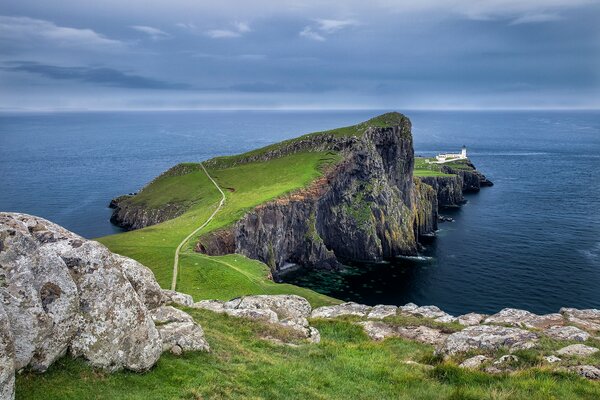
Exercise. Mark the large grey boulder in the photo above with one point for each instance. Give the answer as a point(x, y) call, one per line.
point(378, 330)
point(340, 310)
point(587, 319)
point(60, 292)
point(7, 357)
point(524, 319)
point(488, 338)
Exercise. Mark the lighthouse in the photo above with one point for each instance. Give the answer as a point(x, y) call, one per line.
point(463, 152)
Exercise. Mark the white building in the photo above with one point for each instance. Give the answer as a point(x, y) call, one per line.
point(447, 157)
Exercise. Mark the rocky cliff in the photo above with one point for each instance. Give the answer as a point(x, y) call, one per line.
point(61, 293)
point(472, 180)
point(367, 207)
point(449, 189)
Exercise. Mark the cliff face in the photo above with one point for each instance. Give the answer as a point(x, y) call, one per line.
point(472, 180)
point(133, 216)
point(449, 189)
point(367, 208)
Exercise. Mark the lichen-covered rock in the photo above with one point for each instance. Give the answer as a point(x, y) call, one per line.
point(586, 319)
point(255, 314)
point(525, 319)
point(577, 350)
point(340, 310)
point(188, 336)
point(470, 319)
point(567, 333)
point(288, 311)
point(474, 362)
point(210, 305)
point(432, 312)
point(586, 371)
point(377, 330)
point(7, 358)
point(488, 338)
point(381, 311)
point(173, 297)
point(285, 306)
point(167, 314)
point(61, 292)
point(142, 280)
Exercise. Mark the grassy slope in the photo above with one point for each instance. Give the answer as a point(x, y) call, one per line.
point(227, 276)
point(345, 365)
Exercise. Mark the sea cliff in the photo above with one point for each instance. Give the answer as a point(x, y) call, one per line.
point(367, 206)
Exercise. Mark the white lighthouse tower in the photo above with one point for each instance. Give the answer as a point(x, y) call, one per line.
point(463, 152)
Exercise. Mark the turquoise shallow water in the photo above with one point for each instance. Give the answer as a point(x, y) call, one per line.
point(531, 241)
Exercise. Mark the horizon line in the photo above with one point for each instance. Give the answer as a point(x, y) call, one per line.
point(226, 109)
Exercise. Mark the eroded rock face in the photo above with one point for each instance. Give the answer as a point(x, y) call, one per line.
point(487, 337)
point(62, 293)
point(526, 319)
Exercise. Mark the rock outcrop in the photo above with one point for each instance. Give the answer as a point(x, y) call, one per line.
point(488, 338)
point(287, 311)
point(472, 180)
point(64, 294)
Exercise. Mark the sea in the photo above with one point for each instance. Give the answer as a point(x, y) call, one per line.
point(531, 241)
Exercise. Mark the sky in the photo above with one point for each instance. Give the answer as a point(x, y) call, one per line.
point(302, 54)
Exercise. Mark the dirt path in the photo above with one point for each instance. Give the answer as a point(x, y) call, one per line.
point(184, 241)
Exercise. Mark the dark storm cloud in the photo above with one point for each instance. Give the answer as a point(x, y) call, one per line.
point(97, 75)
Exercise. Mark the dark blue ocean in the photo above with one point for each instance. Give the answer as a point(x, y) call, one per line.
point(531, 241)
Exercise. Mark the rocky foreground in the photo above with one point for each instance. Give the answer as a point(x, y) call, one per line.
point(62, 294)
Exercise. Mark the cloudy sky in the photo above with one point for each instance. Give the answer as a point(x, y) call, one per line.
point(187, 54)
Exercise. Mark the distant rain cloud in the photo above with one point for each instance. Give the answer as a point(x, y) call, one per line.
point(96, 75)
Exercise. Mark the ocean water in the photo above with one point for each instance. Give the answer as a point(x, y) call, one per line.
point(531, 241)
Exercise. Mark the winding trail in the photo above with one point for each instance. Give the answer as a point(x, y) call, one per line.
point(188, 237)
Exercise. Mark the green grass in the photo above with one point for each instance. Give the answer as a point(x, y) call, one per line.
point(381, 121)
point(246, 186)
point(345, 365)
point(422, 168)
